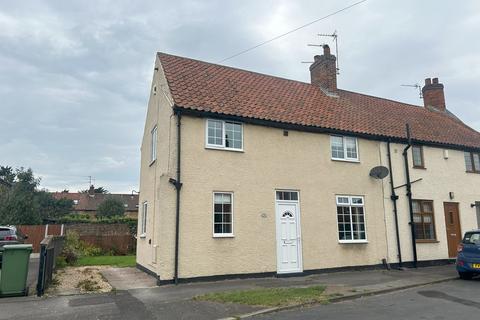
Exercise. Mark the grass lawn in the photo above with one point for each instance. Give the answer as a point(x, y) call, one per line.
point(269, 296)
point(114, 261)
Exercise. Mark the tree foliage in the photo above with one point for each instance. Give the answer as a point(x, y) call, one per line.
point(23, 203)
point(111, 207)
point(101, 190)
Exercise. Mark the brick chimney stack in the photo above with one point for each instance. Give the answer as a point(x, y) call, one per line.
point(323, 71)
point(433, 95)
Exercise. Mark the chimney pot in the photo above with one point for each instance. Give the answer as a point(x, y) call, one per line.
point(435, 80)
point(428, 81)
point(326, 50)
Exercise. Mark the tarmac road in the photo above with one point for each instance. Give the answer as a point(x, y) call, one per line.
point(456, 299)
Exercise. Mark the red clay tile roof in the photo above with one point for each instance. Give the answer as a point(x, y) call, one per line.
point(88, 202)
point(207, 87)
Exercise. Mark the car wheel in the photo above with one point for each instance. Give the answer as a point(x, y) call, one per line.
point(465, 275)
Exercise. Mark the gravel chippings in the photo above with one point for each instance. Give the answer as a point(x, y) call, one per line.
point(79, 280)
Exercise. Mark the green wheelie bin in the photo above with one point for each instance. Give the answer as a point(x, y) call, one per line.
point(13, 275)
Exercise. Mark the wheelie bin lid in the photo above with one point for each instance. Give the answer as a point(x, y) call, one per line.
point(17, 247)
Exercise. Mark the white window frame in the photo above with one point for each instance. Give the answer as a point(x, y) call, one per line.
point(222, 146)
point(222, 235)
point(350, 204)
point(345, 158)
point(143, 226)
point(153, 144)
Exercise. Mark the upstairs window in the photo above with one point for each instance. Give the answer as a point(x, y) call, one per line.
point(224, 135)
point(424, 220)
point(344, 148)
point(472, 162)
point(351, 219)
point(153, 144)
point(417, 155)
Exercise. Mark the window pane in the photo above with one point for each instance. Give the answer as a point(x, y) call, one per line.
point(215, 128)
point(337, 147)
point(227, 228)
point(233, 135)
point(227, 198)
point(476, 162)
point(357, 200)
point(427, 206)
point(416, 207)
point(351, 144)
point(417, 156)
point(342, 200)
point(468, 161)
point(217, 228)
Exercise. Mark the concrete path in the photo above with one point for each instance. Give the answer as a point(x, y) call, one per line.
point(175, 302)
point(128, 278)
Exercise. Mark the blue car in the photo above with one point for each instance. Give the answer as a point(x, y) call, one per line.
point(468, 258)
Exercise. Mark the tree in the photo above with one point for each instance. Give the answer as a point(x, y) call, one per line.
point(110, 207)
point(92, 189)
point(7, 174)
point(23, 203)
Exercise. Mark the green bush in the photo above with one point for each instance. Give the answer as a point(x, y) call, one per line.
point(85, 218)
point(75, 248)
point(60, 262)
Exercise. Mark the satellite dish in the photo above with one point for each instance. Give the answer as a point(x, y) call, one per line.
point(379, 172)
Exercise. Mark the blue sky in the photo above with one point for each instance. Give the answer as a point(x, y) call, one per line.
point(75, 78)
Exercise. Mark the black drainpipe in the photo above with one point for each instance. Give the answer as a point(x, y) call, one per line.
point(178, 185)
point(409, 195)
point(394, 198)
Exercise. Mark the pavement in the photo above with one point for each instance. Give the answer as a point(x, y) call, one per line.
point(32, 276)
point(175, 302)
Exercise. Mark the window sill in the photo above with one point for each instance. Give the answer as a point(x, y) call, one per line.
point(346, 160)
point(352, 241)
point(222, 148)
point(426, 241)
point(229, 235)
point(477, 172)
point(152, 162)
point(142, 236)
point(417, 167)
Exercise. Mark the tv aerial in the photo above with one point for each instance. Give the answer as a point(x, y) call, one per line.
point(334, 37)
point(416, 85)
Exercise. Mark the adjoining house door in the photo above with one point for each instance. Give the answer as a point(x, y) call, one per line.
point(289, 252)
point(452, 226)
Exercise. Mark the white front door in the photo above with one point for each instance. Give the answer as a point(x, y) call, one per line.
point(289, 253)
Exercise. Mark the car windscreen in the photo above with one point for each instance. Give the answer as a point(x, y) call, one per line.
point(472, 238)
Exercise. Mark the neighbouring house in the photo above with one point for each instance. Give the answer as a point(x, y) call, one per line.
point(246, 174)
point(88, 202)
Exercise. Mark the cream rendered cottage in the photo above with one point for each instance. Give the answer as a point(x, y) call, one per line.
point(246, 174)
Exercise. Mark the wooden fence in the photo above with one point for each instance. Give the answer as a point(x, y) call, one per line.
point(109, 237)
